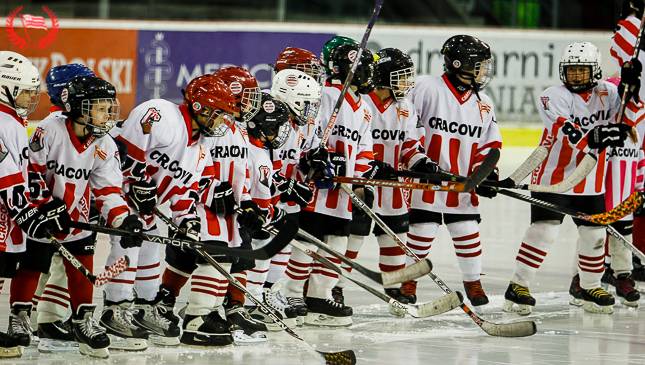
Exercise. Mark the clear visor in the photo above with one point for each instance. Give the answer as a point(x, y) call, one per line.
point(402, 81)
point(27, 101)
point(214, 123)
point(305, 110)
point(251, 99)
point(100, 114)
point(483, 72)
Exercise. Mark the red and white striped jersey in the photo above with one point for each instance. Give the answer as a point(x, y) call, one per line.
point(398, 140)
point(567, 118)
point(230, 154)
point(622, 50)
point(350, 136)
point(625, 167)
point(65, 167)
point(285, 162)
point(14, 193)
point(460, 129)
point(161, 148)
point(260, 176)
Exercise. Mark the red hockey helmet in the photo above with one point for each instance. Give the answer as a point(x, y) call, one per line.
point(244, 88)
point(211, 103)
point(299, 59)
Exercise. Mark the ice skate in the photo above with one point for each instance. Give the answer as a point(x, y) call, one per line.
point(409, 291)
point(575, 291)
point(518, 300)
point(163, 332)
point(475, 293)
point(9, 346)
point(56, 337)
point(597, 300)
point(244, 329)
point(206, 331)
point(123, 332)
point(626, 291)
point(20, 323)
point(92, 339)
point(327, 312)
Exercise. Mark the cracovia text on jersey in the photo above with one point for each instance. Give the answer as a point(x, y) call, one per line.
point(68, 172)
point(340, 130)
point(455, 127)
point(388, 135)
point(171, 165)
point(593, 118)
point(229, 151)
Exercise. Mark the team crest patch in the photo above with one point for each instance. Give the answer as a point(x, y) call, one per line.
point(268, 106)
point(351, 55)
point(265, 172)
point(236, 87)
point(36, 143)
point(545, 102)
point(419, 122)
point(64, 95)
point(292, 80)
point(151, 116)
point(100, 153)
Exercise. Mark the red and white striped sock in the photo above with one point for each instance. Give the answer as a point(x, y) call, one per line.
point(591, 256)
point(538, 239)
point(207, 289)
point(420, 239)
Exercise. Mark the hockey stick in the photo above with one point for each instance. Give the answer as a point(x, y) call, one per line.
point(439, 306)
point(262, 253)
point(626, 207)
point(112, 271)
point(517, 329)
point(464, 186)
point(350, 74)
point(347, 357)
point(412, 272)
point(531, 163)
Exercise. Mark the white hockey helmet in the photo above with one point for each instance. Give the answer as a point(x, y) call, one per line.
point(581, 54)
point(18, 75)
point(299, 91)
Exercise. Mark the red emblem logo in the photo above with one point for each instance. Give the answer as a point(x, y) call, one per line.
point(32, 22)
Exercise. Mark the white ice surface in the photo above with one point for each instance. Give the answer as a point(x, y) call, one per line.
point(566, 335)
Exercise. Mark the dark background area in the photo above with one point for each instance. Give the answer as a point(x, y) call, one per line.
point(554, 14)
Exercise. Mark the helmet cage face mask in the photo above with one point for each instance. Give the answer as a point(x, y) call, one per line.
point(211, 127)
point(315, 71)
point(402, 81)
point(281, 137)
point(250, 104)
point(304, 110)
point(111, 115)
point(588, 84)
point(483, 72)
point(32, 95)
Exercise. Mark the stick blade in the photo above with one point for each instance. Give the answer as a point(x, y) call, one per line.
point(517, 329)
point(482, 172)
point(441, 305)
point(347, 357)
point(409, 273)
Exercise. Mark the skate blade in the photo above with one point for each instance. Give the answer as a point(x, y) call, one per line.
point(521, 309)
point(205, 340)
point(86, 350)
point(46, 345)
point(323, 320)
point(632, 304)
point(127, 344)
point(591, 307)
point(242, 339)
point(9, 352)
point(164, 341)
point(575, 302)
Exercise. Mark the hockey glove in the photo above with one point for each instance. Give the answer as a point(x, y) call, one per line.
point(189, 229)
point(293, 191)
point(251, 218)
point(34, 223)
point(143, 196)
point(426, 166)
point(337, 166)
point(314, 163)
point(486, 191)
point(223, 202)
point(604, 136)
point(56, 213)
point(630, 79)
point(133, 224)
point(380, 170)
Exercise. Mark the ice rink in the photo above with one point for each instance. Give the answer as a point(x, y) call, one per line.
point(566, 335)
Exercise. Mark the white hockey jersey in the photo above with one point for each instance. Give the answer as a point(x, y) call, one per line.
point(567, 118)
point(14, 193)
point(158, 137)
point(65, 167)
point(260, 176)
point(398, 140)
point(460, 129)
point(285, 162)
point(230, 155)
point(350, 136)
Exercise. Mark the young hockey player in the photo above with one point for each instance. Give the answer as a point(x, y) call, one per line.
point(19, 88)
point(460, 130)
point(578, 119)
point(348, 152)
point(69, 158)
point(398, 143)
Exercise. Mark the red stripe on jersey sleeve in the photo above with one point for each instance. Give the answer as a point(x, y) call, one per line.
point(133, 150)
point(623, 44)
point(106, 191)
point(11, 180)
point(616, 56)
point(452, 199)
point(629, 26)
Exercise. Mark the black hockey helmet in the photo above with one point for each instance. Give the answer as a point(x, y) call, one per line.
point(92, 102)
point(394, 70)
point(341, 61)
point(469, 58)
point(271, 124)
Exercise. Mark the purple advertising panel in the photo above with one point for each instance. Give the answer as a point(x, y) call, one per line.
point(167, 61)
